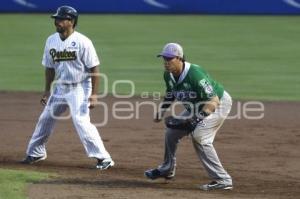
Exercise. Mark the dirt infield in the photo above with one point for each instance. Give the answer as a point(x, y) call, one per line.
point(263, 156)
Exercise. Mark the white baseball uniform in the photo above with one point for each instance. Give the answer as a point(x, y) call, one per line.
point(71, 59)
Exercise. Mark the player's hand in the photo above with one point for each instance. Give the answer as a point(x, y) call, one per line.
point(158, 117)
point(93, 101)
point(44, 98)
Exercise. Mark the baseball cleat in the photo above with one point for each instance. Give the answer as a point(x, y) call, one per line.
point(30, 159)
point(171, 174)
point(155, 173)
point(105, 164)
point(215, 185)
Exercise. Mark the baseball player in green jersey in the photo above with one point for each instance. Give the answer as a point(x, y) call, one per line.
point(203, 99)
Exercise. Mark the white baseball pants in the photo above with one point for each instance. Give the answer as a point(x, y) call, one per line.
point(76, 98)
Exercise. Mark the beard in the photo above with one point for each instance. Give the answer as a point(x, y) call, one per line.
point(60, 29)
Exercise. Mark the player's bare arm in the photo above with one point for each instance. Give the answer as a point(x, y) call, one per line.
point(211, 105)
point(49, 77)
point(95, 82)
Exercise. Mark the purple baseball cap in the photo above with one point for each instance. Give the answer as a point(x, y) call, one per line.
point(171, 50)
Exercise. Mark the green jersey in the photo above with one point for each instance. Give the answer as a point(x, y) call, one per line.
point(194, 87)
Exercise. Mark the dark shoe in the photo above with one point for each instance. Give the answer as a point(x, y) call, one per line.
point(30, 159)
point(155, 173)
point(105, 164)
point(215, 185)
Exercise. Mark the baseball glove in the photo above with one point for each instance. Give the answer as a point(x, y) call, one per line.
point(182, 124)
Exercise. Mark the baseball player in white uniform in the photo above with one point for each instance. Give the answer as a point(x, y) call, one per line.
point(71, 63)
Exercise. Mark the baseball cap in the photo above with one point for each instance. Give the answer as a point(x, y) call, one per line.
point(171, 50)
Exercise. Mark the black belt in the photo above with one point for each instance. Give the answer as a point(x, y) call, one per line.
point(70, 84)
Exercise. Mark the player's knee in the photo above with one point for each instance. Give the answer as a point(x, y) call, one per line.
point(77, 120)
point(169, 133)
point(201, 140)
point(87, 139)
point(45, 116)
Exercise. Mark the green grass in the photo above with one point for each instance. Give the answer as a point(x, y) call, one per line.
point(255, 57)
point(13, 182)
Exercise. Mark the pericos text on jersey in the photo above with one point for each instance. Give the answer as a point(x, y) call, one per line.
point(62, 55)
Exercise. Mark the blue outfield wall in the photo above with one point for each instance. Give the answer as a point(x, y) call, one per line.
point(158, 6)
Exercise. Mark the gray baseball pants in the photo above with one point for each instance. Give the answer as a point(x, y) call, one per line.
point(203, 137)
